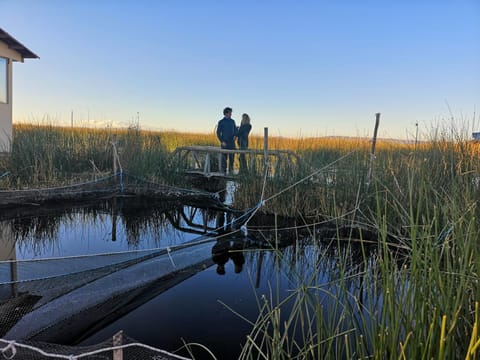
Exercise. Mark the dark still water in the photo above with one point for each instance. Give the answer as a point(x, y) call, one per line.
point(159, 272)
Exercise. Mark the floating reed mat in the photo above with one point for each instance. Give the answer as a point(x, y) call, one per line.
point(115, 185)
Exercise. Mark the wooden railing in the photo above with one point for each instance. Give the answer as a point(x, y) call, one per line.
point(207, 160)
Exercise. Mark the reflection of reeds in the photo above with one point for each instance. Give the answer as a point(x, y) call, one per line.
point(37, 232)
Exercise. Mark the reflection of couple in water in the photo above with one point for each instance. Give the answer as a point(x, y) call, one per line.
point(228, 246)
point(226, 249)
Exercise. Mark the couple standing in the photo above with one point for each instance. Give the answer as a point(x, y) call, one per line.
point(227, 131)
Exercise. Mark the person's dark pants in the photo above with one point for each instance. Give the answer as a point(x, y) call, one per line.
point(243, 161)
point(231, 158)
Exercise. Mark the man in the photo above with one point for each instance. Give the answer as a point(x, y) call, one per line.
point(226, 133)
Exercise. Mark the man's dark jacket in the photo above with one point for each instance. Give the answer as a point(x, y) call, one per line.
point(226, 131)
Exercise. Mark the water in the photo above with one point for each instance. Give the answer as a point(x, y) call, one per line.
point(214, 305)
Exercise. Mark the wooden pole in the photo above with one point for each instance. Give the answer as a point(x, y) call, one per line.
point(265, 146)
point(372, 151)
point(118, 341)
point(206, 168)
point(114, 144)
point(416, 135)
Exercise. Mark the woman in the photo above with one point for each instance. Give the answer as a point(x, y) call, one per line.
point(242, 136)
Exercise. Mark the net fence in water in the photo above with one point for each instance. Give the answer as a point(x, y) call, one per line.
point(58, 299)
point(120, 183)
point(120, 347)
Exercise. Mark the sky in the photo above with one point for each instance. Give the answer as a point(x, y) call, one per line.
point(300, 68)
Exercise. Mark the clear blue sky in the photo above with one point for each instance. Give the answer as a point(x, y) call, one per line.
point(301, 68)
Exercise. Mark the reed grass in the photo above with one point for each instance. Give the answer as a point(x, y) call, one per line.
point(418, 303)
point(417, 298)
point(44, 155)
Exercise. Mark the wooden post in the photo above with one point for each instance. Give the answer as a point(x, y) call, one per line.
point(372, 151)
point(114, 144)
point(118, 341)
point(206, 168)
point(416, 135)
point(265, 146)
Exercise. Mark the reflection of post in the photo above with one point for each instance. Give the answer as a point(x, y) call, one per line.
point(205, 221)
point(259, 269)
point(221, 214)
point(220, 220)
point(114, 220)
point(14, 277)
point(8, 253)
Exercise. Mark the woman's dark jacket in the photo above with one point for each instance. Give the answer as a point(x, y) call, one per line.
point(242, 135)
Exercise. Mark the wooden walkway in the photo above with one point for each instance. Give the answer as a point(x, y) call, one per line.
point(206, 160)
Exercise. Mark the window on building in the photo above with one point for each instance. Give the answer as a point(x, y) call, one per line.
point(3, 80)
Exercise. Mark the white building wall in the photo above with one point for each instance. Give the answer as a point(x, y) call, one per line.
point(6, 115)
point(6, 112)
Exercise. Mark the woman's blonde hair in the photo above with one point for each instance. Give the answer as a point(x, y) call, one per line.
point(245, 119)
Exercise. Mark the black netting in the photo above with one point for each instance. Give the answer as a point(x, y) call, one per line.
point(55, 308)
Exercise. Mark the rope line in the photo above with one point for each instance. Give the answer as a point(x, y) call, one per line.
point(121, 174)
point(263, 201)
point(309, 176)
point(170, 256)
point(12, 346)
point(61, 187)
point(244, 227)
point(121, 180)
point(166, 186)
point(161, 251)
point(315, 223)
point(101, 254)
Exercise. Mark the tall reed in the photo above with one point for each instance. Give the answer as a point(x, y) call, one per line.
point(44, 155)
point(417, 297)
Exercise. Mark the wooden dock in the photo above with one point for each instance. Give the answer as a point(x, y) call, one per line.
point(206, 160)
